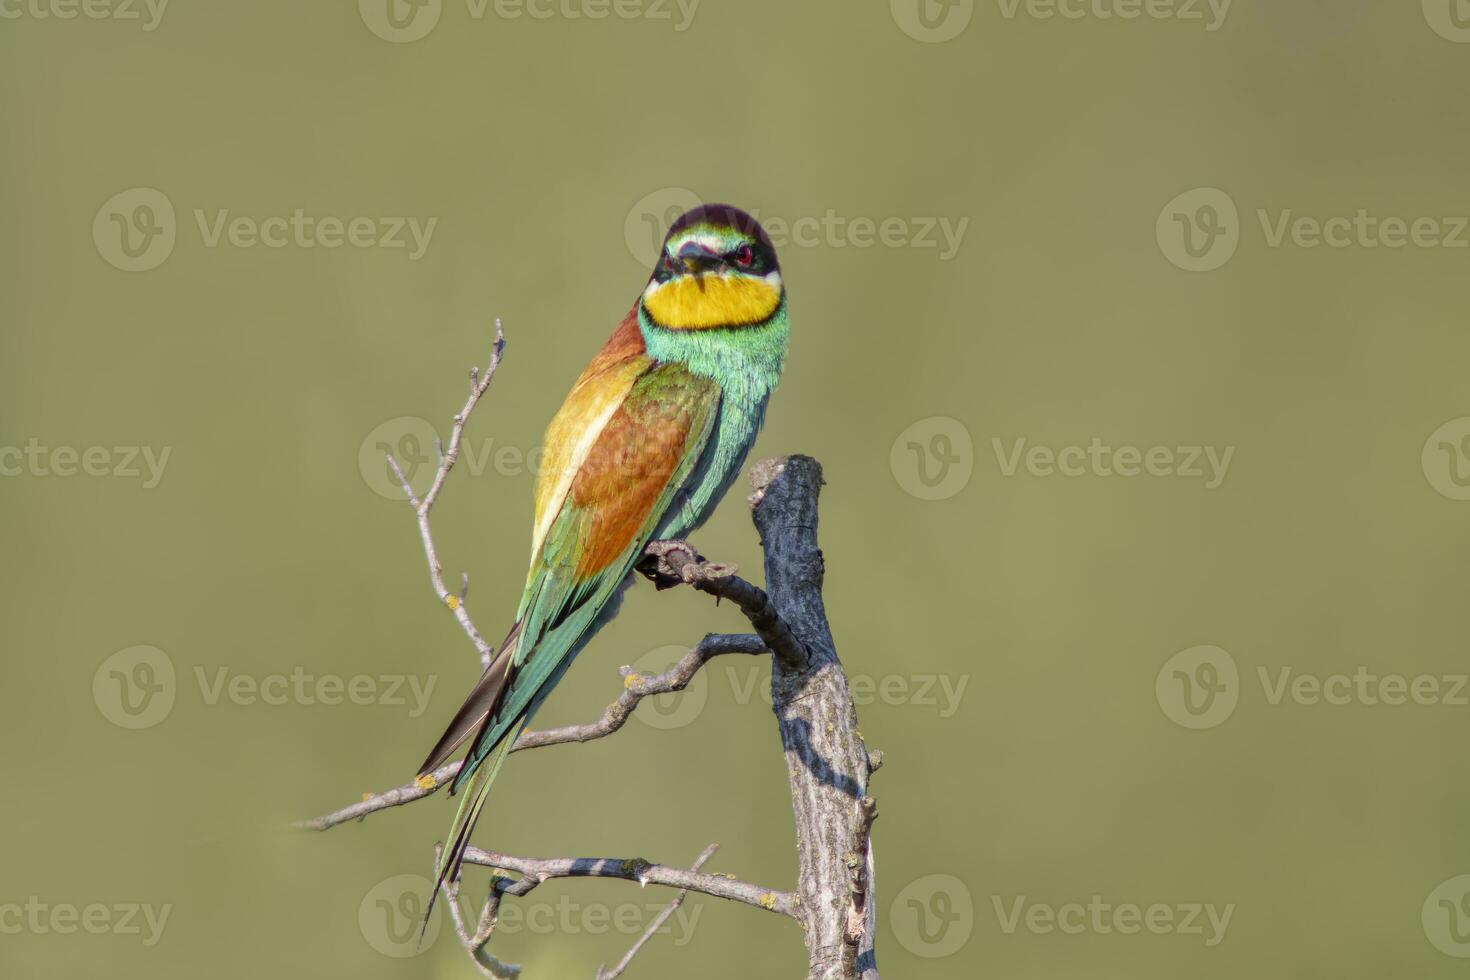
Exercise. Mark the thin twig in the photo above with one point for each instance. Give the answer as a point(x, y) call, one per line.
point(636, 687)
point(455, 601)
point(535, 871)
point(487, 964)
point(603, 973)
point(677, 561)
point(373, 802)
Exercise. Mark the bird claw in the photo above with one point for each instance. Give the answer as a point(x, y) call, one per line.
point(676, 562)
point(663, 562)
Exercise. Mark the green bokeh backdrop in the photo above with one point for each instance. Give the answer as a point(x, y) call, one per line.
point(1048, 604)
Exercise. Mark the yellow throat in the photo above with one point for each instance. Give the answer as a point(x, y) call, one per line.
point(705, 302)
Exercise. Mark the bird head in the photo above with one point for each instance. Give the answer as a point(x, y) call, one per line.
point(717, 268)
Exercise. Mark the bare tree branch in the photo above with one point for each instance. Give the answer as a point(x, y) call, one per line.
point(373, 802)
point(487, 964)
point(603, 973)
point(636, 687)
point(536, 871)
point(827, 765)
point(676, 562)
point(455, 601)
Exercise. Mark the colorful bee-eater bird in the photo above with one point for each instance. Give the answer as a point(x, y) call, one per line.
point(645, 445)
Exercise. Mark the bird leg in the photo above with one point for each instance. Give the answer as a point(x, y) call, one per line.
point(676, 562)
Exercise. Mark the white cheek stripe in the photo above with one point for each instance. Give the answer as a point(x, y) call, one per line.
point(709, 242)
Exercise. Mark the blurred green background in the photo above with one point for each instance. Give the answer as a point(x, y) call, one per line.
point(1024, 641)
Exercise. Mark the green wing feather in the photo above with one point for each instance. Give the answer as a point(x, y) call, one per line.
point(561, 607)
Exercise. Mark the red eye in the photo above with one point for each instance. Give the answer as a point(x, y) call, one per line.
point(744, 256)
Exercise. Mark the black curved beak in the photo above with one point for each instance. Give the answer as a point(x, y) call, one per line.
point(698, 260)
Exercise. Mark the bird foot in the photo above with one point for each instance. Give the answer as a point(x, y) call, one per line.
point(676, 562)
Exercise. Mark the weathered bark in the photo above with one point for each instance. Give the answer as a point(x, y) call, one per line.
point(826, 762)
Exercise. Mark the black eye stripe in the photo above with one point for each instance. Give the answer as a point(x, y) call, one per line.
point(762, 261)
